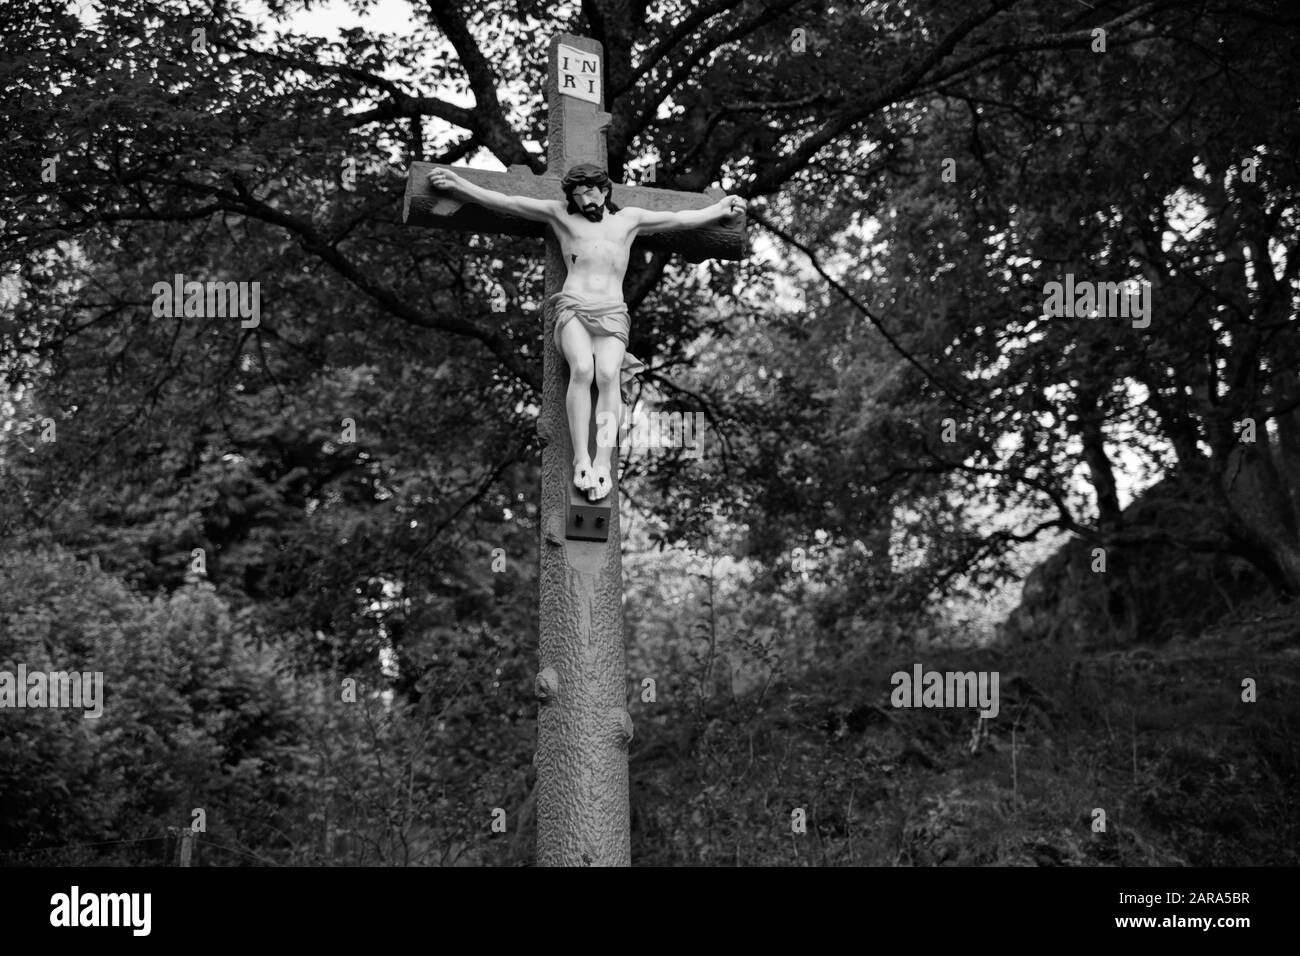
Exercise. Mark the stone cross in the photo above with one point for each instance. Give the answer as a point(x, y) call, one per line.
point(583, 725)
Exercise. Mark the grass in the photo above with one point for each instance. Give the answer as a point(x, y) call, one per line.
point(1158, 738)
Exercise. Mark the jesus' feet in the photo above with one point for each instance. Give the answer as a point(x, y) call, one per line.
point(602, 483)
point(583, 475)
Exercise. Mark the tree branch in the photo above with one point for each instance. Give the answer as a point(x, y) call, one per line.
point(914, 80)
point(491, 126)
point(854, 301)
point(399, 104)
point(622, 133)
point(660, 50)
point(313, 242)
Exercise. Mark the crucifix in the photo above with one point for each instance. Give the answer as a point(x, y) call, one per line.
point(583, 724)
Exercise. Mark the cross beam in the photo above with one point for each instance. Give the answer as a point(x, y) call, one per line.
point(422, 206)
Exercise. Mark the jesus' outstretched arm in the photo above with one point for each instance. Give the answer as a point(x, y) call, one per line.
point(652, 221)
point(541, 210)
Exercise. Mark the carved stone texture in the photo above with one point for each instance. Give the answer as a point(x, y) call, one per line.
point(546, 684)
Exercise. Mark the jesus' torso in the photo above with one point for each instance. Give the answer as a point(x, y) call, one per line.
point(595, 253)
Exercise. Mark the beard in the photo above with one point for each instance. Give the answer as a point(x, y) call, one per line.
point(593, 213)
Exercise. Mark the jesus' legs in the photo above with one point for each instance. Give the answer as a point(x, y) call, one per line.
point(578, 352)
point(609, 410)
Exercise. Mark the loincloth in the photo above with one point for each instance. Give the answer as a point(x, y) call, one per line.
point(599, 319)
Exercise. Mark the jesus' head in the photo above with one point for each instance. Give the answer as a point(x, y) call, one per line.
point(589, 191)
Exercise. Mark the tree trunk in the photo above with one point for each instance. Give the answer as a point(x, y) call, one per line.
point(1119, 601)
point(1260, 514)
point(1288, 431)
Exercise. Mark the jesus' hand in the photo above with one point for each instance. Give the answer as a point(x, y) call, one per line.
point(445, 180)
point(732, 206)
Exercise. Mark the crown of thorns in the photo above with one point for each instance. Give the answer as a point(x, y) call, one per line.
point(585, 174)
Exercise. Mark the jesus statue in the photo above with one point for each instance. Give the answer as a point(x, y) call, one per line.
point(591, 318)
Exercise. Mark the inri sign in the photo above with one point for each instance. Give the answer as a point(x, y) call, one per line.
point(579, 74)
